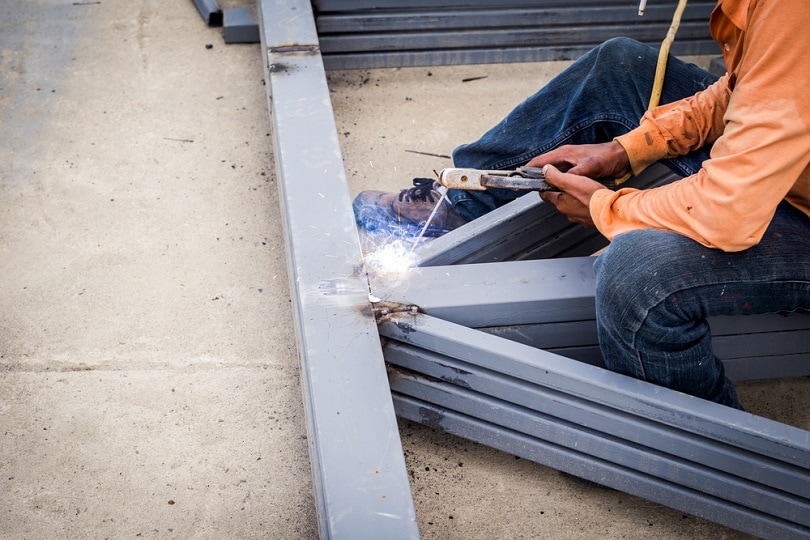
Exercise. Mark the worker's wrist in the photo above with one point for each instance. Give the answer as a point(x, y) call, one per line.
point(643, 146)
point(620, 159)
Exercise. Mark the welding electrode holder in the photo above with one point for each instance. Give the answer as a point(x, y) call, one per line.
point(520, 179)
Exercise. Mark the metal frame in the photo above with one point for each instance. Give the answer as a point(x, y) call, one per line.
point(358, 468)
point(727, 466)
point(649, 441)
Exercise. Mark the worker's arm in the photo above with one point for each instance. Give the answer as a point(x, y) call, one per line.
point(763, 148)
point(678, 128)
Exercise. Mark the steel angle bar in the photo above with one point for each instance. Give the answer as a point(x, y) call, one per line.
point(451, 57)
point(497, 294)
point(609, 390)
point(606, 473)
point(768, 366)
point(358, 469)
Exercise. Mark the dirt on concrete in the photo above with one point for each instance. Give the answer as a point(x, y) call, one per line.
point(148, 371)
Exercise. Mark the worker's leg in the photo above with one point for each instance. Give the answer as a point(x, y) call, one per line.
point(600, 96)
point(655, 289)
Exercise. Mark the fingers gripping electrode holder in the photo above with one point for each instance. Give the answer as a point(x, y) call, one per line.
point(520, 179)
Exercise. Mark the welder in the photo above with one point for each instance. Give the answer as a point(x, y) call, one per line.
point(732, 236)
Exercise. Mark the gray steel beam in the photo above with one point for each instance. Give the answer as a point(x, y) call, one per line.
point(210, 11)
point(497, 294)
point(397, 33)
point(358, 469)
point(743, 471)
point(501, 38)
point(238, 26)
point(494, 55)
point(586, 466)
point(549, 304)
point(353, 5)
point(475, 19)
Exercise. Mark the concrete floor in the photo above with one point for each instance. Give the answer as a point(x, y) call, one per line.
point(148, 371)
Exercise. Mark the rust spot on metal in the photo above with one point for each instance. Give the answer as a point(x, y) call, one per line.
point(431, 418)
point(384, 311)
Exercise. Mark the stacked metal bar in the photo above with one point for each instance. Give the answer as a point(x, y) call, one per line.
point(549, 304)
point(728, 466)
point(395, 33)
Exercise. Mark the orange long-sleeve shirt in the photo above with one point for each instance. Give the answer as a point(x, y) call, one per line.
point(758, 119)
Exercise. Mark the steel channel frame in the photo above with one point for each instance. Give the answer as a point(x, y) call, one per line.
point(743, 471)
point(350, 419)
point(358, 468)
point(549, 304)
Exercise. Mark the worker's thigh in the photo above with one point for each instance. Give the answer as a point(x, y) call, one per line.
point(656, 288)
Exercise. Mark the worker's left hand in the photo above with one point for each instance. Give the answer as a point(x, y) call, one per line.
point(574, 198)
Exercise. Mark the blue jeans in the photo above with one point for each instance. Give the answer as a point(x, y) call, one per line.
point(598, 97)
point(655, 288)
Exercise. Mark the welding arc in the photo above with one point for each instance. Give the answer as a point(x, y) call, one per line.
point(429, 219)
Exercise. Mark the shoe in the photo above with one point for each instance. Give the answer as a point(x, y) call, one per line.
point(405, 213)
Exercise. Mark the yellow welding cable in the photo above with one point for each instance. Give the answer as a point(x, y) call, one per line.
point(661, 66)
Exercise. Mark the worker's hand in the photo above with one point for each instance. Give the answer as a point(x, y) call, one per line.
point(574, 198)
point(604, 160)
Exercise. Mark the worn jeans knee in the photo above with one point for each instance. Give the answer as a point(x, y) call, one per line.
point(656, 289)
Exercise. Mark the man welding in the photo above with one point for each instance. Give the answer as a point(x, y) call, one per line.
point(731, 237)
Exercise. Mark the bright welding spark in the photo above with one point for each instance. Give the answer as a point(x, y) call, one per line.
point(395, 256)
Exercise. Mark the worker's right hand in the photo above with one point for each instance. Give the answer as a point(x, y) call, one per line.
point(603, 160)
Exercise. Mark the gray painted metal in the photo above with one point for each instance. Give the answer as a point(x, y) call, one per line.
point(210, 12)
point(396, 33)
point(501, 17)
point(749, 473)
point(238, 26)
point(358, 469)
point(732, 467)
point(549, 304)
point(359, 5)
point(498, 294)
